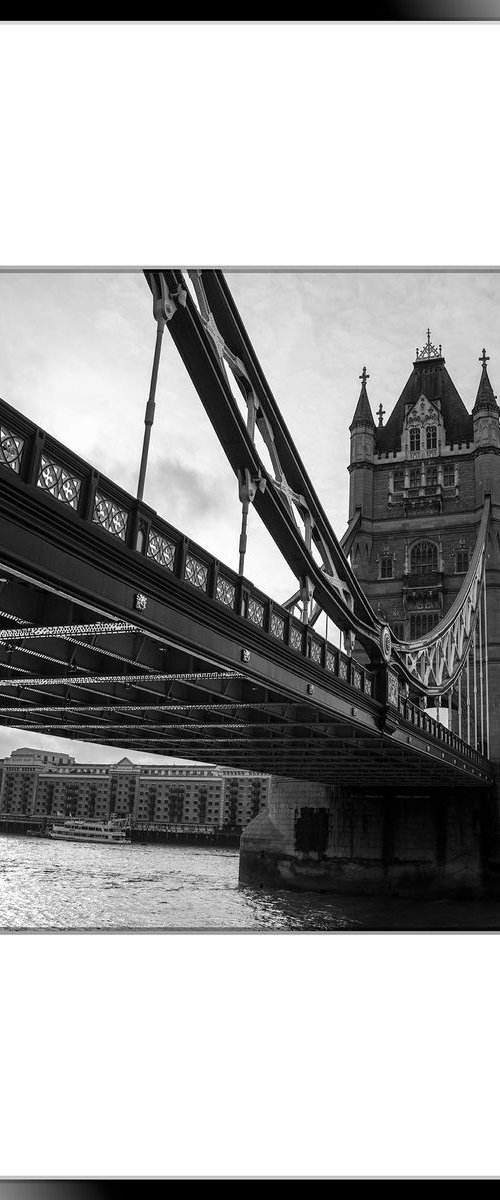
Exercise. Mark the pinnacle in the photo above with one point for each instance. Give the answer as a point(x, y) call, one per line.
point(485, 395)
point(363, 414)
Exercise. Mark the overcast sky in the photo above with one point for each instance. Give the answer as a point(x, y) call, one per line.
point(76, 352)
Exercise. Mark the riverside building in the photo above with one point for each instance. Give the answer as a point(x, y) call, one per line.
point(19, 775)
point(39, 784)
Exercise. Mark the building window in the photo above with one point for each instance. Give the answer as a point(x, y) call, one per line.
point(386, 564)
point(431, 476)
point(449, 475)
point(399, 480)
point(421, 624)
point(414, 440)
point(415, 477)
point(423, 558)
point(398, 630)
point(431, 437)
point(462, 562)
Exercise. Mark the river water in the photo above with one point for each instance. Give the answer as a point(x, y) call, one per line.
point(67, 885)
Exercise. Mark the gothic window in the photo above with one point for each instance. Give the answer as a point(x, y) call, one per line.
point(421, 624)
point(431, 477)
point(423, 559)
point(431, 437)
point(462, 562)
point(414, 440)
point(386, 566)
point(415, 477)
point(449, 475)
point(399, 480)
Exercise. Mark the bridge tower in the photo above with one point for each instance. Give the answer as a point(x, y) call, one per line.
point(419, 481)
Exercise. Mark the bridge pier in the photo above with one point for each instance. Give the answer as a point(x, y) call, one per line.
point(491, 838)
point(436, 842)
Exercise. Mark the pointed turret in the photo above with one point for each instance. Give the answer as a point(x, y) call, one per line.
point(363, 414)
point(485, 396)
point(362, 430)
point(486, 412)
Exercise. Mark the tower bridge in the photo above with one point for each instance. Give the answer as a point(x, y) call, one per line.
point(115, 627)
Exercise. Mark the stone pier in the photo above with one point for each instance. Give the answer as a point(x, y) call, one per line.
point(437, 842)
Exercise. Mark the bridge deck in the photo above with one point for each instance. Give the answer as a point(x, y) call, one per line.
point(197, 663)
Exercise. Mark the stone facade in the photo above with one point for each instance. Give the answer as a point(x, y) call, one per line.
point(419, 482)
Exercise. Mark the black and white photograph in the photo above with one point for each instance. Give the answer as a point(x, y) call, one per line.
point(249, 618)
point(249, 596)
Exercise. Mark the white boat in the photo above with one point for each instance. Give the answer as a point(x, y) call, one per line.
point(74, 829)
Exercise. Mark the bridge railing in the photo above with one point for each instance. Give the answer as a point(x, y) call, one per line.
point(61, 476)
point(420, 719)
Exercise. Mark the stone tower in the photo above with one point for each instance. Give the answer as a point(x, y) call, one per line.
point(419, 482)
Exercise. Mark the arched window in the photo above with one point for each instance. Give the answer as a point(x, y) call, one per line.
point(386, 569)
point(415, 477)
point(399, 479)
point(431, 437)
point(449, 475)
point(414, 440)
point(431, 476)
point(423, 558)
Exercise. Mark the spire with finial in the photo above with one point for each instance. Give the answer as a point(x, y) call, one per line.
point(485, 396)
point(429, 350)
point(363, 414)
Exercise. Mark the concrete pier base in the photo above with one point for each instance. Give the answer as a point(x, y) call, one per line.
point(346, 841)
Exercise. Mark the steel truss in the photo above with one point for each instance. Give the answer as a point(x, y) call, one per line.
point(208, 332)
point(215, 348)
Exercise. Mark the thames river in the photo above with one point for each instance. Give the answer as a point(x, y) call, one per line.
point(60, 885)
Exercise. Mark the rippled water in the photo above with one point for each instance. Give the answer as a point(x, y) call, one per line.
point(66, 885)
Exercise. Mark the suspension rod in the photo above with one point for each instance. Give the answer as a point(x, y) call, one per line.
point(468, 696)
point(487, 696)
point(474, 663)
point(481, 679)
point(149, 415)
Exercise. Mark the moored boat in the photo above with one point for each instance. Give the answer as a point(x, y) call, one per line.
point(75, 829)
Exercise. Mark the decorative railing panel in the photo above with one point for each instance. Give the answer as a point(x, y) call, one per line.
point(277, 626)
point(161, 549)
point(331, 661)
point(225, 592)
point(315, 651)
point(59, 482)
point(11, 449)
point(108, 514)
point(196, 573)
point(255, 612)
point(296, 638)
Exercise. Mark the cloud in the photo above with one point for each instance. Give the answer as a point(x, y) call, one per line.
point(188, 492)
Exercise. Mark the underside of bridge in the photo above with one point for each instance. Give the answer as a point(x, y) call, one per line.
point(85, 673)
point(336, 821)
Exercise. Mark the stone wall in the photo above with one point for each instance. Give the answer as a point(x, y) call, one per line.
point(329, 839)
